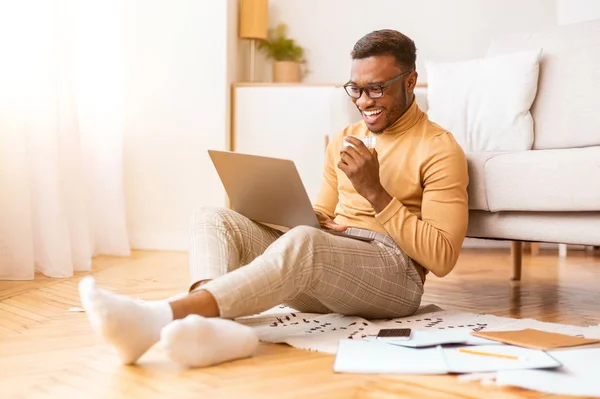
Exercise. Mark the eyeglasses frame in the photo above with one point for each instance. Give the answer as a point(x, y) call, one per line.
point(381, 86)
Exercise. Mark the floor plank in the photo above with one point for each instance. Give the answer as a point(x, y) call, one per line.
point(49, 352)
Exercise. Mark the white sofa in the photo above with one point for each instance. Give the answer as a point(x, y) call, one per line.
point(550, 193)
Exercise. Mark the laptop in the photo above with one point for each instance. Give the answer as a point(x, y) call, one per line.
point(267, 190)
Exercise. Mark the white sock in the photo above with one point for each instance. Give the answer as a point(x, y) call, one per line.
point(199, 342)
point(131, 326)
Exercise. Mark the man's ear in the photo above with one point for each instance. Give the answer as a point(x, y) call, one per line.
point(411, 81)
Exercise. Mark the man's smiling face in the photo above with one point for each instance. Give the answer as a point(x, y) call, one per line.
point(380, 113)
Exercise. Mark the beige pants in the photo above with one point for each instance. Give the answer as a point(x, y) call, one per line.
point(255, 268)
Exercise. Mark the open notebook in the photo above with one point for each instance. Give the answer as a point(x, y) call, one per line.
point(361, 356)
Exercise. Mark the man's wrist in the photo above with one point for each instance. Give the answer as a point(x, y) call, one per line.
point(380, 200)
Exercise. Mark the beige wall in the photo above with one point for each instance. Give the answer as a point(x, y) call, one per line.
point(442, 29)
point(573, 11)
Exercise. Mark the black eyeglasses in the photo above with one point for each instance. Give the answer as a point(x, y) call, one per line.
point(373, 91)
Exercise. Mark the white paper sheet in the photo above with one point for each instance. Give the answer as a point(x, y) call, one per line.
point(459, 362)
point(579, 375)
point(381, 358)
point(317, 332)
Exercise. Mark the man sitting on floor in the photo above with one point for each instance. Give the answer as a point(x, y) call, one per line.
point(409, 195)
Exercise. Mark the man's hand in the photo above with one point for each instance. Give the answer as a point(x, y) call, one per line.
point(362, 168)
point(327, 223)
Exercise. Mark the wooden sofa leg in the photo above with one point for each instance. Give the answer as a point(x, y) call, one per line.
point(516, 253)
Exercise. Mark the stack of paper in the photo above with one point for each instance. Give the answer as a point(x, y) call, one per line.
point(578, 376)
point(380, 357)
point(533, 361)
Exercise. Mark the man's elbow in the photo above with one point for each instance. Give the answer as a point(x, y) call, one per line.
point(445, 262)
point(442, 270)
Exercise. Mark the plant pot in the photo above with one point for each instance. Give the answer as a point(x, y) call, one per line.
point(286, 71)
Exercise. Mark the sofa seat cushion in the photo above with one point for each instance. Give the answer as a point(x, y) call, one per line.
point(560, 227)
point(544, 180)
point(477, 194)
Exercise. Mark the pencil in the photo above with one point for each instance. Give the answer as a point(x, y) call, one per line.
point(472, 352)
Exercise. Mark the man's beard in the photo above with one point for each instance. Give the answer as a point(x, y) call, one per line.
point(397, 109)
point(378, 131)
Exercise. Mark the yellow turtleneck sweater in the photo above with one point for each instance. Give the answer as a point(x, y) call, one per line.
point(425, 171)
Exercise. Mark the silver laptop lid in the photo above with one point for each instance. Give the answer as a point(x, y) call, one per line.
point(264, 189)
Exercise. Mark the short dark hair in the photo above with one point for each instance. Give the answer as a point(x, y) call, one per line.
point(387, 42)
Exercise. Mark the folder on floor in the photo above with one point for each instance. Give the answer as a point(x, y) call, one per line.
point(536, 339)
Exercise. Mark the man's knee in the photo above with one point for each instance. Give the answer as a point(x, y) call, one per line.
point(304, 233)
point(210, 215)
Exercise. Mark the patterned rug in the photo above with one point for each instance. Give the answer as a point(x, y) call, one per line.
point(322, 332)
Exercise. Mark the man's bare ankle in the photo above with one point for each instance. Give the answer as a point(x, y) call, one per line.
point(198, 284)
point(200, 302)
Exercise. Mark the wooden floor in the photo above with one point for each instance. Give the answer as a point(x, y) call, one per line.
point(47, 351)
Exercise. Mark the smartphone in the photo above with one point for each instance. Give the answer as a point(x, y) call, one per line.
point(394, 334)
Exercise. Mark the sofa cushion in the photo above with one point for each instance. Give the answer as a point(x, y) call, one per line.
point(485, 102)
point(544, 180)
point(565, 111)
point(476, 164)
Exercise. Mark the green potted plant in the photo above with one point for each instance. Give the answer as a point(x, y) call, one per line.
point(286, 53)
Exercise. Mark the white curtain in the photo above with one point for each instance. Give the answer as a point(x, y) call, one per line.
point(61, 133)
